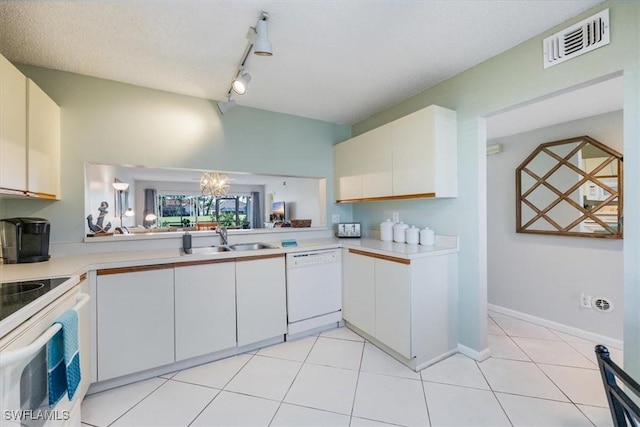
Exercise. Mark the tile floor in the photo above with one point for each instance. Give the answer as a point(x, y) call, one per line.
point(535, 377)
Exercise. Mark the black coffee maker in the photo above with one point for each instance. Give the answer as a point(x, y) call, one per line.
point(24, 240)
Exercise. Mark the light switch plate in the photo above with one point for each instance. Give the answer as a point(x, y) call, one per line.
point(335, 218)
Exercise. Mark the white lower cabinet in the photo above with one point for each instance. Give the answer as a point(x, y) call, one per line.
point(261, 298)
point(205, 308)
point(408, 306)
point(358, 291)
point(135, 320)
point(393, 305)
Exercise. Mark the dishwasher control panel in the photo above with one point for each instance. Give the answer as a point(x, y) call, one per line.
point(308, 259)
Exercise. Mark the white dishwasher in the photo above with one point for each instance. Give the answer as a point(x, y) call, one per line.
point(314, 290)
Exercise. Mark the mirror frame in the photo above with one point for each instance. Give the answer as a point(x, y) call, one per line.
point(587, 214)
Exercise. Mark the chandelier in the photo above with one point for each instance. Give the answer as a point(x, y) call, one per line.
point(214, 184)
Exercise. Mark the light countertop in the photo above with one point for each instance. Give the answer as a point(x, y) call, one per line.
point(76, 265)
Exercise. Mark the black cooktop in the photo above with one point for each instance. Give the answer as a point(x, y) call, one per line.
point(15, 295)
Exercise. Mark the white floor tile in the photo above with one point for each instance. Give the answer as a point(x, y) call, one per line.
point(495, 315)
point(362, 422)
point(553, 352)
point(215, 374)
point(601, 417)
point(323, 387)
point(298, 416)
point(588, 350)
point(265, 377)
point(173, 404)
point(528, 411)
point(493, 328)
point(581, 385)
point(232, 409)
point(342, 333)
point(390, 399)
point(297, 350)
point(169, 375)
point(377, 361)
point(456, 370)
point(504, 347)
point(101, 409)
point(460, 406)
point(520, 328)
point(570, 338)
point(525, 378)
point(337, 353)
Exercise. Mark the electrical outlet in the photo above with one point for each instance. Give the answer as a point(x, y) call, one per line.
point(396, 217)
point(335, 218)
point(585, 300)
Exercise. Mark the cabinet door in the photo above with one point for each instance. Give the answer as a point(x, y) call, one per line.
point(377, 163)
point(393, 305)
point(358, 292)
point(135, 322)
point(205, 304)
point(261, 299)
point(413, 154)
point(13, 127)
point(348, 169)
point(43, 143)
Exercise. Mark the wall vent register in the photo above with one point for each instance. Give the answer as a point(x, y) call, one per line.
point(577, 39)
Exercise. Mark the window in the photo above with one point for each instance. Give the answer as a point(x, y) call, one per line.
point(183, 210)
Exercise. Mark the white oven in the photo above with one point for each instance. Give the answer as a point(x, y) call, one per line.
point(24, 396)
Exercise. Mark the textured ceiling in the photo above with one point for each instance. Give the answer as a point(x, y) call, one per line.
point(338, 61)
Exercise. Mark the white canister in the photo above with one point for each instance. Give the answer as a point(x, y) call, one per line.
point(412, 235)
point(386, 231)
point(398, 232)
point(427, 237)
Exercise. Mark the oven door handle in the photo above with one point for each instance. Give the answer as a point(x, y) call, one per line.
point(11, 357)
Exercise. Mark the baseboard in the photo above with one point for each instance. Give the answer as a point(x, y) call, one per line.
point(474, 354)
point(577, 332)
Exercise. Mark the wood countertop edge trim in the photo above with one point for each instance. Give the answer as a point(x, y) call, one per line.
point(383, 257)
point(165, 266)
point(258, 257)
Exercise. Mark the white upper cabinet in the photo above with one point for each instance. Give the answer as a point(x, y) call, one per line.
point(43, 138)
point(29, 137)
point(347, 164)
point(412, 157)
point(377, 163)
point(425, 153)
point(13, 128)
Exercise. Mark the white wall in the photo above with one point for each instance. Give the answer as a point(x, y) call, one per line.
point(301, 197)
point(544, 275)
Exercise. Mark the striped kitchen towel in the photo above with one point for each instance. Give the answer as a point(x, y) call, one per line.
point(63, 359)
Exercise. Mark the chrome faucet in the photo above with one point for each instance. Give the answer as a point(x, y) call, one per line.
point(222, 231)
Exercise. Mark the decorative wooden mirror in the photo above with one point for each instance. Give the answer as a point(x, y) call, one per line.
point(571, 187)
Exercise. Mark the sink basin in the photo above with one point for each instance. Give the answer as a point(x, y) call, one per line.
point(205, 250)
point(250, 246)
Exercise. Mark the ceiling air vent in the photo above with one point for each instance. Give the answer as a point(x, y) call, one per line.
point(602, 304)
point(577, 39)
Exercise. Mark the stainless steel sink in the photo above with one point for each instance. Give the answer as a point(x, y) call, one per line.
point(205, 250)
point(250, 246)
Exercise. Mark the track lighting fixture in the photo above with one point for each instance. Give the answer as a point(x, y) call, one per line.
point(226, 106)
point(239, 85)
point(260, 45)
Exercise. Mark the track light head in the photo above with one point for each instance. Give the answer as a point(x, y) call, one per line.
point(262, 45)
point(241, 82)
point(226, 106)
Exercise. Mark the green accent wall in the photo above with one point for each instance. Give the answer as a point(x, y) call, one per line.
point(103, 121)
point(510, 79)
